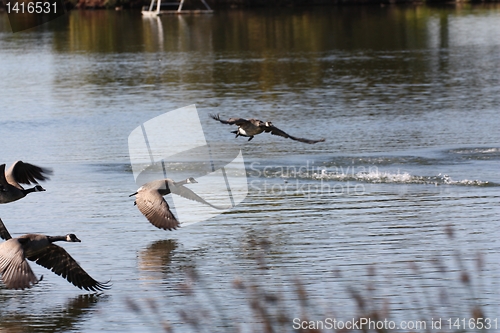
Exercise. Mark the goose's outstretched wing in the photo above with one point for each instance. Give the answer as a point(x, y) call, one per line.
point(154, 207)
point(4, 233)
point(26, 173)
point(16, 272)
point(276, 131)
point(3, 181)
point(230, 121)
point(189, 194)
point(60, 262)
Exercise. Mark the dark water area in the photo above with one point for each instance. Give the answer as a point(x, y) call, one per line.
point(407, 98)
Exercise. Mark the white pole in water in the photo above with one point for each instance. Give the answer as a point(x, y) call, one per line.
point(158, 4)
point(180, 6)
point(206, 5)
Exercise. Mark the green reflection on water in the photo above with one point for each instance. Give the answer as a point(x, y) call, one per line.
point(314, 29)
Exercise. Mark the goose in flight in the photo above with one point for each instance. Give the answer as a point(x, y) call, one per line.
point(20, 172)
point(149, 199)
point(16, 272)
point(251, 127)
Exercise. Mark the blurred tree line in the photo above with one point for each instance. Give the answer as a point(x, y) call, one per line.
point(219, 4)
point(214, 4)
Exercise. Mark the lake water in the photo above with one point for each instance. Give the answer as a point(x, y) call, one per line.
point(407, 98)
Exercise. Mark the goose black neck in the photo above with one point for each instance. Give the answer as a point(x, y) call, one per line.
point(182, 182)
point(33, 189)
point(53, 239)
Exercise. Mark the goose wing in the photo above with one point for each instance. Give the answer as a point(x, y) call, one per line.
point(276, 131)
point(189, 194)
point(26, 173)
point(231, 121)
point(16, 272)
point(60, 262)
point(152, 205)
point(3, 181)
point(4, 233)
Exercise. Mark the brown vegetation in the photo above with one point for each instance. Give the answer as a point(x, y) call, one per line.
point(270, 310)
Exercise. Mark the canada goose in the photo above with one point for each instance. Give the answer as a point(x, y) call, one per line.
point(16, 272)
point(149, 199)
point(251, 127)
point(20, 172)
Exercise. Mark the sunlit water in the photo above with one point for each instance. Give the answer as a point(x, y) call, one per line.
point(407, 99)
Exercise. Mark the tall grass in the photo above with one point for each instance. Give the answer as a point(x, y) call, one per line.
point(270, 310)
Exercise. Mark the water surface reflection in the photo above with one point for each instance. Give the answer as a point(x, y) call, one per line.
point(406, 96)
point(57, 319)
point(157, 256)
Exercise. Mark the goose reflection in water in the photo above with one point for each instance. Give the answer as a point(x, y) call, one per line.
point(157, 259)
point(57, 319)
point(157, 256)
